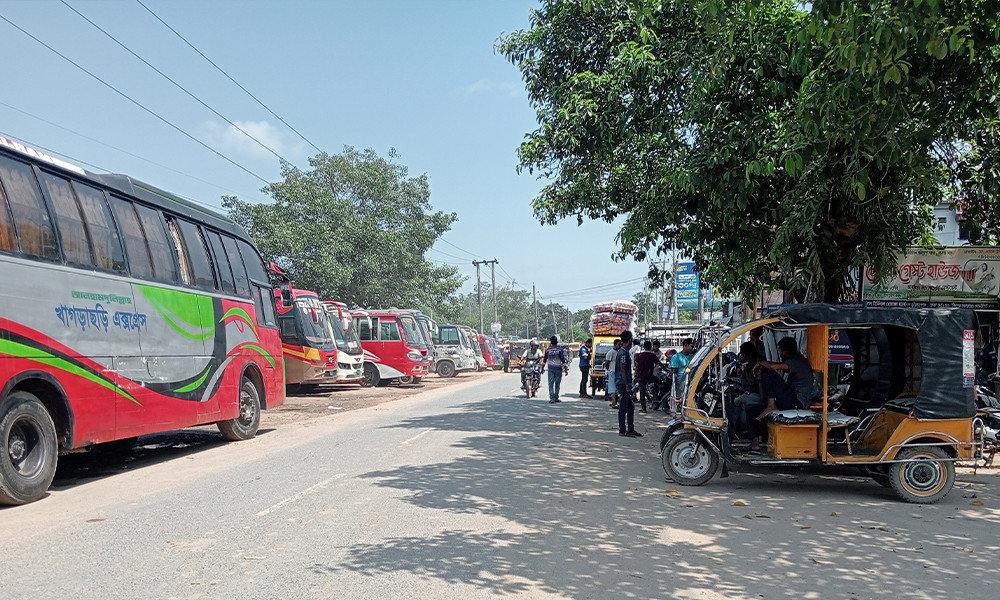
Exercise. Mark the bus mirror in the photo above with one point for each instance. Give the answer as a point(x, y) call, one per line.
point(315, 316)
point(286, 294)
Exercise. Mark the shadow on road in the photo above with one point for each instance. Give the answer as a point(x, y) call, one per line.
point(587, 514)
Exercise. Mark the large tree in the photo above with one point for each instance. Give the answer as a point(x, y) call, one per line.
point(355, 228)
point(781, 144)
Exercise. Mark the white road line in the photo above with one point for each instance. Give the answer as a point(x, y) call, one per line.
point(419, 435)
point(300, 495)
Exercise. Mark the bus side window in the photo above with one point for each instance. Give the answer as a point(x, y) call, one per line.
point(31, 217)
point(365, 330)
point(222, 261)
point(197, 251)
point(69, 220)
point(253, 262)
point(287, 328)
point(236, 262)
point(140, 264)
point(164, 263)
point(266, 315)
point(8, 237)
point(104, 240)
point(389, 331)
point(187, 277)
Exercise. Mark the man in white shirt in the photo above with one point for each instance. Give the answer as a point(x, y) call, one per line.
point(532, 353)
point(609, 369)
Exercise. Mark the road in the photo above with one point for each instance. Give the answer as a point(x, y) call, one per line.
point(472, 491)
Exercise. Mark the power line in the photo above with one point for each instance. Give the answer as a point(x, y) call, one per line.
point(598, 287)
point(179, 86)
point(462, 249)
point(200, 53)
point(451, 255)
point(137, 103)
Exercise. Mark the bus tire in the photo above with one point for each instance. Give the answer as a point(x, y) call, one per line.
point(446, 369)
point(406, 379)
point(371, 377)
point(28, 449)
point(245, 425)
point(927, 477)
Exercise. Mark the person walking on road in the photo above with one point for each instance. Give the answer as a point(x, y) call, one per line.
point(585, 351)
point(623, 385)
point(557, 360)
point(609, 372)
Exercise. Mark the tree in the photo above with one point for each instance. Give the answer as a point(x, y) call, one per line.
point(355, 228)
point(781, 144)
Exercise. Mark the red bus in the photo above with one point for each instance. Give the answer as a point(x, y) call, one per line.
point(306, 339)
point(350, 354)
point(391, 339)
point(126, 310)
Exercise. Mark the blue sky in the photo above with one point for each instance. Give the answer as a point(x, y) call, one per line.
point(419, 76)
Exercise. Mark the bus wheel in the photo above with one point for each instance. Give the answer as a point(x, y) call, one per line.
point(371, 377)
point(688, 460)
point(28, 449)
point(245, 425)
point(446, 369)
point(406, 379)
point(925, 477)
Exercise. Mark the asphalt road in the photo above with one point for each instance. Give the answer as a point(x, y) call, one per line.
point(473, 491)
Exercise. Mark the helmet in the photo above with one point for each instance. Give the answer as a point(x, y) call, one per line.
point(534, 343)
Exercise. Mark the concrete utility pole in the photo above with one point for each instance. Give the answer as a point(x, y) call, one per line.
point(479, 290)
point(555, 325)
point(534, 300)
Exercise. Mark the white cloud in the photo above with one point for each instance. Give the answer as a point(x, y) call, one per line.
point(488, 86)
point(228, 139)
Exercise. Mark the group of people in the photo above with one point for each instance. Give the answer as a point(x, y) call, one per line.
point(555, 363)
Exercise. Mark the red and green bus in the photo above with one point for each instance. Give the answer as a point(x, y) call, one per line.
point(125, 310)
point(306, 340)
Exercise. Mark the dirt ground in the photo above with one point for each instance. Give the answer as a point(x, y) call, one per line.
point(328, 399)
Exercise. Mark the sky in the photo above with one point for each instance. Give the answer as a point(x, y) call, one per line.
point(417, 76)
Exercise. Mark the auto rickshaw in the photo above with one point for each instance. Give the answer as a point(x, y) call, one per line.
point(598, 370)
point(904, 412)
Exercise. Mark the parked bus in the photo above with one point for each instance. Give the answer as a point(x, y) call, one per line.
point(429, 330)
point(125, 311)
point(490, 354)
point(392, 347)
point(350, 355)
point(473, 336)
point(306, 339)
point(453, 351)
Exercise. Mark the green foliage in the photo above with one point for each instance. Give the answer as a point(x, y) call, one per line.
point(355, 228)
point(781, 144)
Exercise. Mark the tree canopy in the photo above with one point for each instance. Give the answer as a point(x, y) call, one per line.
point(355, 229)
point(780, 144)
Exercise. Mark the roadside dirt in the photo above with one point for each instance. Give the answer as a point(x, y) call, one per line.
point(328, 399)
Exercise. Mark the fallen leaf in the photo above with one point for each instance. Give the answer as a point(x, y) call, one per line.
point(833, 514)
point(977, 502)
point(739, 503)
point(747, 517)
point(871, 571)
point(815, 562)
point(763, 516)
point(672, 493)
point(95, 520)
point(967, 549)
point(807, 526)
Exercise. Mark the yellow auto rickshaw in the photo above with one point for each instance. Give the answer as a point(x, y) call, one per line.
point(895, 397)
point(598, 368)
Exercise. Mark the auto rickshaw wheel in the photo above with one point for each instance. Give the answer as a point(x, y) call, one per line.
point(925, 475)
point(688, 460)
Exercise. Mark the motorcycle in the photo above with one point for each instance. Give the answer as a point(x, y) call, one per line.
point(988, 412)
point(532, 375)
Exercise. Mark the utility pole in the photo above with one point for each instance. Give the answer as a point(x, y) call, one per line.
point(479, 288)
point(534, 300)
point(555, 326)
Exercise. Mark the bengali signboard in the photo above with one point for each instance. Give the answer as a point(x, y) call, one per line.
point(687, 286)
point(966, 276)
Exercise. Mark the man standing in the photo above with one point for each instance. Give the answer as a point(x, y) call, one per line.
point(585, 351)
point(506, 358)
point(609, 371)
point(678, 364)
point(645, 362)
point(623, 385)
point(557, 360)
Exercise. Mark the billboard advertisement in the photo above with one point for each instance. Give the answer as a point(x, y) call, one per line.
point(687, 286)
point(966, 276)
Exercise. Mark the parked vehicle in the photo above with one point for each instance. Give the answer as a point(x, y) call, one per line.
point(307, 343)
point(908, 410)
point(429, 330)
point(392, 344)
point(350, 354)
point(453, 351)
point(473, 336)
point(532, 371)
point(517, 348)
point(95, 264)
point(490, 357)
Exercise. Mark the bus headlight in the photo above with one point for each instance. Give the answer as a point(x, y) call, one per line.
point(415, 356)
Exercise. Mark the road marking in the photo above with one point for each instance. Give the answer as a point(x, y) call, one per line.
point(419, 435)
point(300, 495)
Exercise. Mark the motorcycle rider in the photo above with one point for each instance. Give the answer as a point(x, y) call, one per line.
point(532, 353)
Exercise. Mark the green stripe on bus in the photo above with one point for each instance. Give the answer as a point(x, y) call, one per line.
point(182, 311)
point(195, 385)
point(262, 352)
point(239, 312)
point(26, 352)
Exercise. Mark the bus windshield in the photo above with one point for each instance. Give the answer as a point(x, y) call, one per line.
point(347, 341)
point(313, 322)
point(413, 336)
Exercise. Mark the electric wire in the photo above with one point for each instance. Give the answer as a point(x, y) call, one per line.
point(177, 85)
point(136, 102)
point(246, 91)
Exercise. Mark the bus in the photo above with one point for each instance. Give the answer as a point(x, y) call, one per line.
point(350, 355)
point(453, 352)
point(125, 310)
point(306, 340)
point(392, 345)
